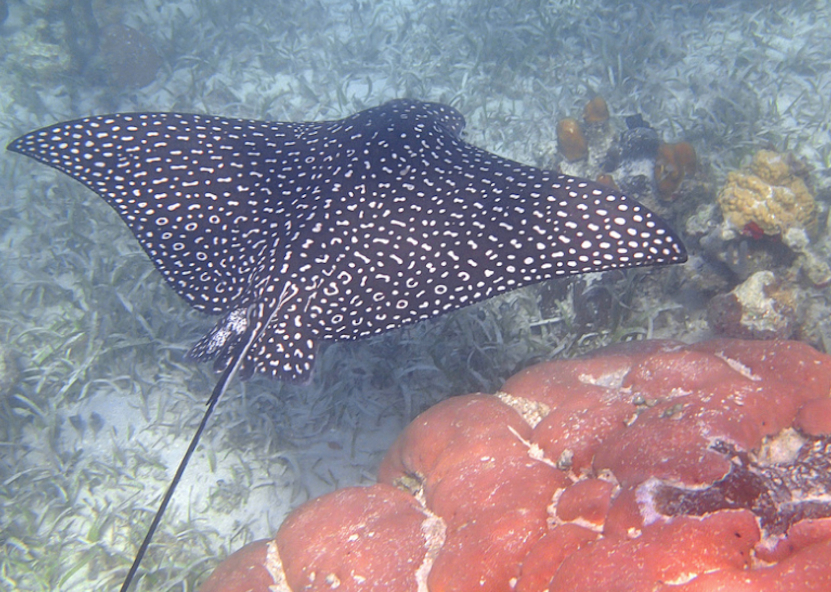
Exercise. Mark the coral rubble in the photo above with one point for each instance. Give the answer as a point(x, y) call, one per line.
point(645, 466)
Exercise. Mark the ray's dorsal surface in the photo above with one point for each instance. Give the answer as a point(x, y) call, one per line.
point(380, 219)
point(297, 233)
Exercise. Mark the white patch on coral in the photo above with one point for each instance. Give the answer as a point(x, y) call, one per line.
point(781, 449)
point(609, 380)
point(435, 531)
point(738, 367)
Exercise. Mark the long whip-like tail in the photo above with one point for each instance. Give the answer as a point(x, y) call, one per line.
point(220, 388)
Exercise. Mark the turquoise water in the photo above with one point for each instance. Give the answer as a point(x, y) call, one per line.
point(97, 402)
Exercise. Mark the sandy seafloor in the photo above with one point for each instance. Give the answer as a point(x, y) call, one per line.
point(96, 400)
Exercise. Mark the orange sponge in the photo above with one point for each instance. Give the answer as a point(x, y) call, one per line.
point(596, 111)
point(672, 164)
point(571, 141)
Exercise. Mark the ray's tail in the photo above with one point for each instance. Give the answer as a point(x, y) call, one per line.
point(220, 388)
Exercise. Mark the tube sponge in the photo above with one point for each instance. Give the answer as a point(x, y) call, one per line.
point(571, 140)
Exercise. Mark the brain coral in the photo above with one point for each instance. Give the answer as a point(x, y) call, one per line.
point(651, 466)
point(769, 196)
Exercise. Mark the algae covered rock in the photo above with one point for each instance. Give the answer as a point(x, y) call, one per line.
point(762, 307)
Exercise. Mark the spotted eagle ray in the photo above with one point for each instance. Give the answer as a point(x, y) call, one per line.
point(299, 233)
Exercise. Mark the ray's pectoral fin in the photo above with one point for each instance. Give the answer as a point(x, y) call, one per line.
point(283, 342)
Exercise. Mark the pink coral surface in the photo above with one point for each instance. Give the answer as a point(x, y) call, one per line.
point(642, 467)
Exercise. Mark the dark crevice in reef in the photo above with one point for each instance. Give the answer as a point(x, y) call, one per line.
point(779, 494)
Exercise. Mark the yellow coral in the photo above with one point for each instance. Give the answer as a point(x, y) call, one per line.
point(769, 197)
point(772, 167)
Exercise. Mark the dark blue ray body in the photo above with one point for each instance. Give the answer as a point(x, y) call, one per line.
point(344, 228)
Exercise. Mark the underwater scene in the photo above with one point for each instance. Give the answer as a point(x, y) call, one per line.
point(696, 446)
